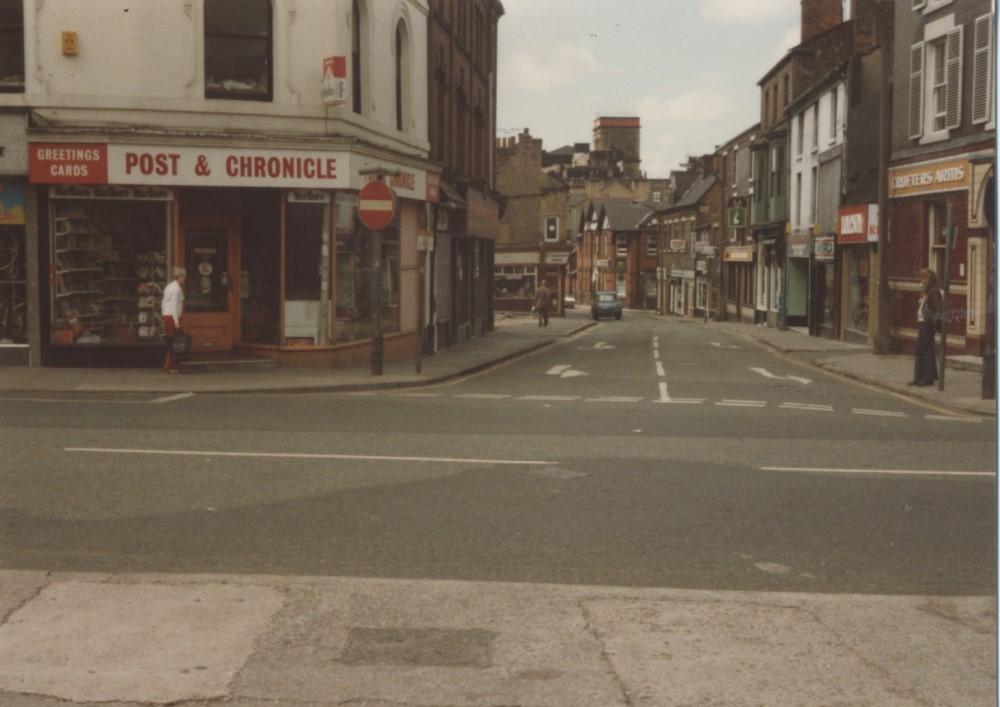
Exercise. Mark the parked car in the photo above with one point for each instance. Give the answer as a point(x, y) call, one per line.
point(606, 304)
point(569, 302)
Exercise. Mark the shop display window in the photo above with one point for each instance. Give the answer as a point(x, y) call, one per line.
point(355, 276)
point(514, 282)
point(857, 290)
point(109, 268)
point(13, 284)
point(260, 276)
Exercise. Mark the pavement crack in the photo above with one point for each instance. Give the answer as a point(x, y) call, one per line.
point(31, 596)
point(591, 628)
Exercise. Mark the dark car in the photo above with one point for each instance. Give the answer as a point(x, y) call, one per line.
point(606, 304)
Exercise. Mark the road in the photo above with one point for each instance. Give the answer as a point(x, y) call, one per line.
point(640, 454)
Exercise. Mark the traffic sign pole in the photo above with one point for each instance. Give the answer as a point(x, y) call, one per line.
point(376, 209)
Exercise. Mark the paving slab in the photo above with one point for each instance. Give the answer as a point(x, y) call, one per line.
point(100, 642)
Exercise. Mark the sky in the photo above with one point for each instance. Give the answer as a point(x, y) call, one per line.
point(688, 68)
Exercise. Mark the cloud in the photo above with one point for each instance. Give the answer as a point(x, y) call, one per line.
point(697, 105)
point(788, 39)
point(543, 69)
point(743, 11)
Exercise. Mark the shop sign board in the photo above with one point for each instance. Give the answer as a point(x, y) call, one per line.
point(601, 262)
point(858, 224)
point(376, 205)
point(823, 247)
point(738, 254)
point(677, 245)
point(737, 217)
point(308, 196)
point(528, 258)
point(111, 192)
point(408, 182)
point(425, 242)
point(556, 258)
point(482, 215)
point(334, 91)
point(930, 178)
point(798, 245)
point(434, 187)
point(11, 203)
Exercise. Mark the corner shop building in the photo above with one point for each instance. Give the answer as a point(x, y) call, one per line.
point(278, 263)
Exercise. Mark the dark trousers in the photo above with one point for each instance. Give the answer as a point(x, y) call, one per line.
point(169, 328)
point(925, 360)
point(543, 317)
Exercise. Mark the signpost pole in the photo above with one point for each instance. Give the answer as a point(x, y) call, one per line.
point(949, 235)
point(376, 209)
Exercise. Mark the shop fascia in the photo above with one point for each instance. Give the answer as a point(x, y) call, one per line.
point(100, 164)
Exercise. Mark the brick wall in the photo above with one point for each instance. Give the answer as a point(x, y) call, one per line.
point(820, 15)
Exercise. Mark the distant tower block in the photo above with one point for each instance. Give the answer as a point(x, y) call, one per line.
point(619, 137)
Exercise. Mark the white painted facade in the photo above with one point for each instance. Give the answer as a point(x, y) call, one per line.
point(814, 129)
point(141, 64)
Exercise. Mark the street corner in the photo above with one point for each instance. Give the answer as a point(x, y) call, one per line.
point(87, 641)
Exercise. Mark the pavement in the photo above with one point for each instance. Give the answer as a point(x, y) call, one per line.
point(513, 336)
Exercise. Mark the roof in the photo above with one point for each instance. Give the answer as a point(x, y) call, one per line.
point(695, 193)
point(623, 214)
point(564, 151)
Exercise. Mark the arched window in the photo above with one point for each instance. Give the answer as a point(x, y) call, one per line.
point(357, 56)
point(238, 48)
point(402, 52)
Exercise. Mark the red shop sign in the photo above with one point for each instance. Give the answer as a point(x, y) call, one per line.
point(67, 163)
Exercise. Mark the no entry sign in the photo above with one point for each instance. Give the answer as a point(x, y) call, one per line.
point(376, 205)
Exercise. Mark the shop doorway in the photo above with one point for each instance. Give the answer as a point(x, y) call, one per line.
point(209, 252)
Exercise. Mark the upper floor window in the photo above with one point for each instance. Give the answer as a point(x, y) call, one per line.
point(935, 100)
point(357, 56)
point(400, 47)
point(801, 133)
point(551, 229)
point(11, 46)
point(815, 127)
point(238, 49)
point(833, 113)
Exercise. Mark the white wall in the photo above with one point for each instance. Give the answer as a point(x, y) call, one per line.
point(142, 63)
point(803, 163)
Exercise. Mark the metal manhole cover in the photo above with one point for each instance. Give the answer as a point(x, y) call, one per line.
point(449, 648)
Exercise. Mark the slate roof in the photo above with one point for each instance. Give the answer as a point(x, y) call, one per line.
point(623, 214)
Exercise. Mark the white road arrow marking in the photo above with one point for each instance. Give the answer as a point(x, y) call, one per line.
point(556, 370)
point(767, 374)
point(564, 371)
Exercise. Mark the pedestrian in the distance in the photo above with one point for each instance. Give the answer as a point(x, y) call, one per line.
point(172, 310)
point(543, 303)
point(929, 319)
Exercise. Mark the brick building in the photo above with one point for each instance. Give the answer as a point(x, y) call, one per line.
point(736, 248)
point(537, 233)
point(618, 252)
point(943, 136)
point(461, 101)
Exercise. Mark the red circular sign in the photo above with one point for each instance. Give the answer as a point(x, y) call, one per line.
point(376, 205)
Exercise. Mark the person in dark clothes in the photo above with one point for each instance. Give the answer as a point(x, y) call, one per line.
point(928, 317)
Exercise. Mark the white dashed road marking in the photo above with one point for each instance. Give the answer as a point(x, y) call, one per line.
point(743, 403)
point(659, 370)
point(613, 399)
point(767, 374)
point(549, 397)
point(484, 396)
point(954, 418)
point(889, 472)
point(879, 413)
point(806, 406)
point(171, 398)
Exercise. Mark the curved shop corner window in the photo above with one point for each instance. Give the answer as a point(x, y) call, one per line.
point(238, 49)
point(355, 276)
point(11, 46)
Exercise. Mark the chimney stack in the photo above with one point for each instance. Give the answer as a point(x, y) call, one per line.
point(818, 16)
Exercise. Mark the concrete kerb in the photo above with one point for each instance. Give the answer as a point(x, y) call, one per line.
point(367, 386)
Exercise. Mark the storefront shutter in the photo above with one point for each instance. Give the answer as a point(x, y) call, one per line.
point(953, 75)
point(916, 90)
point(982, 80)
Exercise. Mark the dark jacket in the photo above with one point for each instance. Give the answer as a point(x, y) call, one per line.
point(543, 299)
point(931, 308)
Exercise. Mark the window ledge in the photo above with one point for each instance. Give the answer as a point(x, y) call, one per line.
point(930, 139)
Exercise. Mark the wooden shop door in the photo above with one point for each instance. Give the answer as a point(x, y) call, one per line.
point(209, 249)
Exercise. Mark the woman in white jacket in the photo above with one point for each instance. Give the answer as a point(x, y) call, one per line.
point(172, 309)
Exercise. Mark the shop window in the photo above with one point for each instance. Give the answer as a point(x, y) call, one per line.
point(11, 46)
point(621, 246)
point(652, 245)
point(109, 265)
point(13, 284)
point(937, 238)
point(238, 49)
point(260, 278)
point(355, 275)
